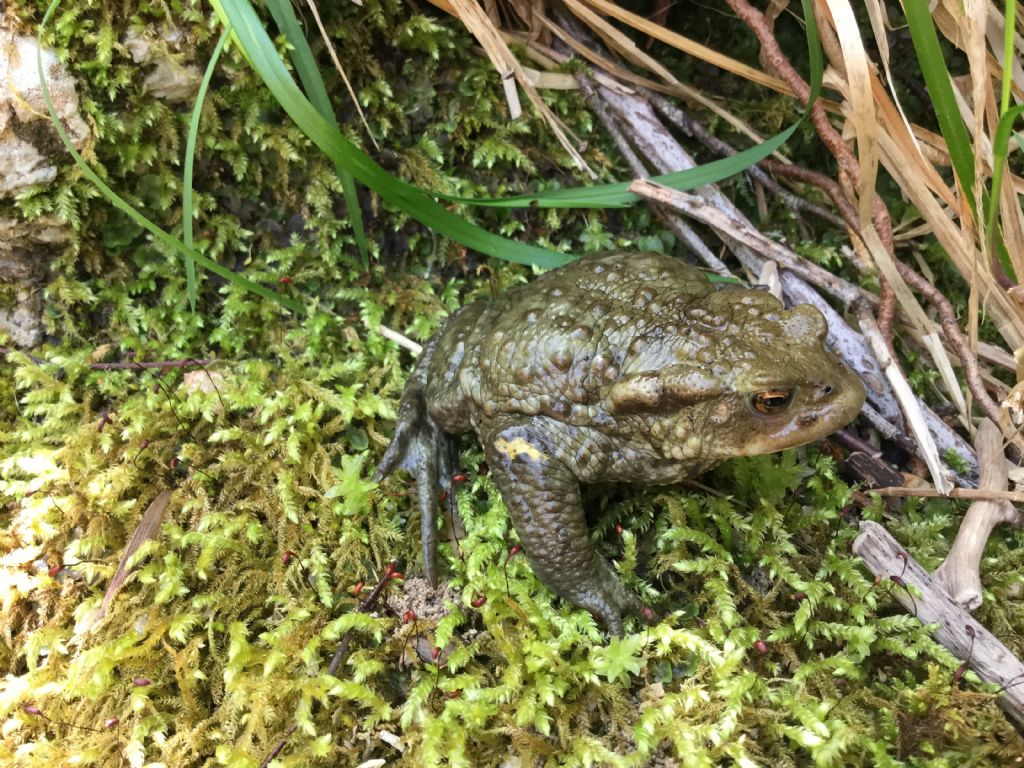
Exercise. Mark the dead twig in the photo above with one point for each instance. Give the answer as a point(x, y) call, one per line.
point(279, 746)
point(159, 365)
point(848, 164)
point(719, 220)
point(954, 493)
point(960, 572)
point(955, 629)
point(597, 99)
point(681, 120)
point(956, 339)
point(364, 606)
point(400, 339)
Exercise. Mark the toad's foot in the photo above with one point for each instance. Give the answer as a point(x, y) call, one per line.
point(425, 451)
point(543, 498)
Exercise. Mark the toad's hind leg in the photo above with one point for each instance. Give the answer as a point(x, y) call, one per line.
point(543, 499)
point(426, 452)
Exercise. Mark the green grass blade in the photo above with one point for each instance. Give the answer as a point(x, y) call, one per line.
point(316, 91)
point(1009, 27)
point(165, 238)
point(187, 213)
point(1000, 149)
point(618, 196)
point(940, 88)
point(268, 65)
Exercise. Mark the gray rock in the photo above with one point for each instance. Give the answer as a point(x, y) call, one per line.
point(30, 154)
point(29, 151)
point(26, 248)
point(170, 79)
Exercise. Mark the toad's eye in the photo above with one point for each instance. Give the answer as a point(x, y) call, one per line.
point(772, 400)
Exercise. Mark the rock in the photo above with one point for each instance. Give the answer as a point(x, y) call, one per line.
point(26, 248)
point(30, 154)
point(170, 80)
point(29, 151)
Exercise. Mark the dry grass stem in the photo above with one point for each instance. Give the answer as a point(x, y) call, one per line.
point(341, 70)
point(508, 68)
point(911, 406)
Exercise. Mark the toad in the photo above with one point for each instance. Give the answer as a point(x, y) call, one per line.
point(624, 368)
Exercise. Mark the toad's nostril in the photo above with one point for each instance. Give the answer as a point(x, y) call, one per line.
point(827, 389)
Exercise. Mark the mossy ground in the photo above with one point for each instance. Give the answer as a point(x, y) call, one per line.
point(776, 648)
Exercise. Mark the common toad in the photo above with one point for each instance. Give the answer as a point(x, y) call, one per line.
point(628, 367)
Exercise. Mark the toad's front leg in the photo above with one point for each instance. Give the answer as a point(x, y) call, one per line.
point(535, 463)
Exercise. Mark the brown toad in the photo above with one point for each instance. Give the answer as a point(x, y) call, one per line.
point(629, 368)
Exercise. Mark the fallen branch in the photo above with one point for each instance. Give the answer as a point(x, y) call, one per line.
point(741, 230)
point(688, 125)
point(598, 101)
point(978, 494)
point(955, 629)
point(960, 572)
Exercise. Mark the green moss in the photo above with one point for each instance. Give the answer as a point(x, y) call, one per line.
point(775, 647)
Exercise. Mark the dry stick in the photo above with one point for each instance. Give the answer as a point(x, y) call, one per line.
point(947, 317)
point(955, 629)
point(400, 339)
point(134, 365)
point(589, 88)
point(854, 443)
point(989, 494)
point(721, 221)
point(961, 346)
point(666, 153)
point(888, 430)
point(364, 607)
point(684, 122)
point(679, 227)
point(886, 312)
point(279, 746)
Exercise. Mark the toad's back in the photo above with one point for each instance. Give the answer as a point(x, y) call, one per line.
point(556, 345)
